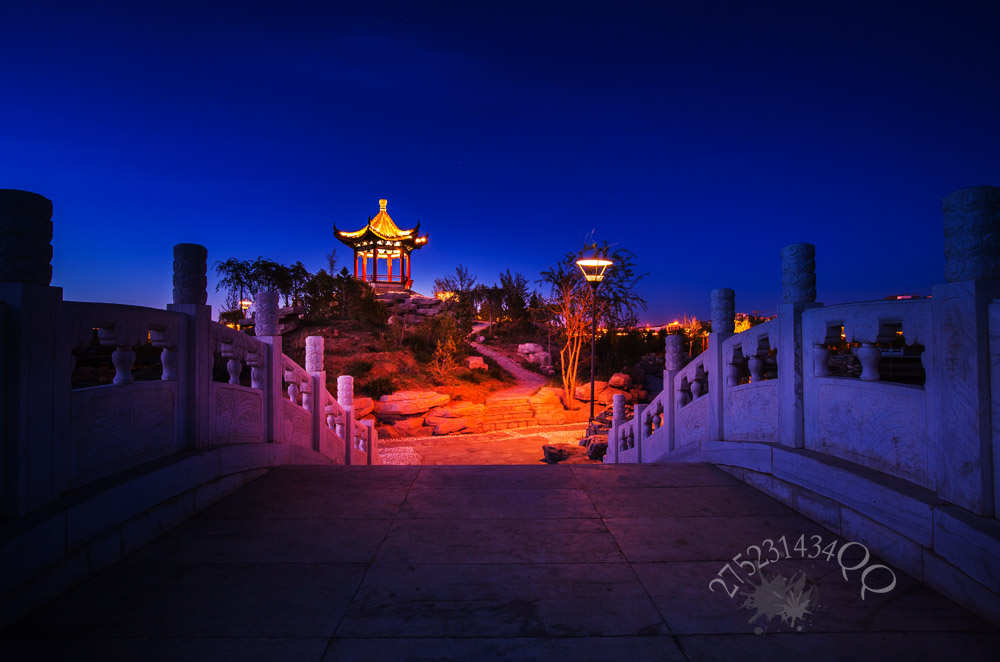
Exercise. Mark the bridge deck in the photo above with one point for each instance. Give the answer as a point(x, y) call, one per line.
point(541, 562)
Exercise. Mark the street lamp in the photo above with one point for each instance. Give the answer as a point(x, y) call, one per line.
point(593, 269)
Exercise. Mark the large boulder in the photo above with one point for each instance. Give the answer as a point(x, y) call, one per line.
point(363, 407)
point(457, 417)
point(543, 359)
point(620, 380)
point(408, 427)
point(606, 397)
point(529, 348)
point(477, 363)
point(582, 391)
point(406, 403)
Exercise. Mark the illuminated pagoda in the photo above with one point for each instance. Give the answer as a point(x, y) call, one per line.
point(381, 239)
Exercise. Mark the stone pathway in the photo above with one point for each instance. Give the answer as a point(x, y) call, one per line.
point(493, 563)
point(514, 446)
point(527, 382)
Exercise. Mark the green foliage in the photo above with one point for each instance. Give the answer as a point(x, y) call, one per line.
point(461, 305)
point(445, 360)
point(572, 301)
point(318, 297)
point(356, 301)
point(379, 386)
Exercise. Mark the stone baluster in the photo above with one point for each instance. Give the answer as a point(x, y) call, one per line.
point(755, 364)
point(293, 388)
point(258, 369)
point(869, 355)
point(683, 395)
point(167, 339)
point(696, 388)
point(734, 367)
point(123, 336)
point(233, 366)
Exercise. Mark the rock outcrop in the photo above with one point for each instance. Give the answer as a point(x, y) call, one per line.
point(407, 403)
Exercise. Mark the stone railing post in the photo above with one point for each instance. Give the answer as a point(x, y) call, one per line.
point(967, 446)
point(673, 361)
point(35, 360)
point(723, 326)
point(194, 370)
point(266, 329)
point(798, 294)
point(345, 398)
point(638, 429)
point(617, 420)
point(313, 401)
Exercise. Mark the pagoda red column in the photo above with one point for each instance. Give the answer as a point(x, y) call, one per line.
point(355, 265)
point(375, 266)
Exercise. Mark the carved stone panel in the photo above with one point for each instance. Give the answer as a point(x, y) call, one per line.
point(751, 412)
point(296, 424)
point(333, 446)
point(114, 428)
point(237, 414)
point(692, 422)
point(882, 426)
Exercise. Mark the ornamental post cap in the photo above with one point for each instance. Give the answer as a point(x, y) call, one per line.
point(381, 204)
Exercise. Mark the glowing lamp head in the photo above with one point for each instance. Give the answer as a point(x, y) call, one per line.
point(593, 269)
point(245, 304)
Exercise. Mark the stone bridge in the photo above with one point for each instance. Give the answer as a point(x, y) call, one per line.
point(243, 519)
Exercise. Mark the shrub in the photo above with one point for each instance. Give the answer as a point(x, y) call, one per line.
point(379, 386)
point(444, 363)
point(358, 368)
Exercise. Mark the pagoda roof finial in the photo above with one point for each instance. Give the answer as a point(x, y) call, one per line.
point(382, 203)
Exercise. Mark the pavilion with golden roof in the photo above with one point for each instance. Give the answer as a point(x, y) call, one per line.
point(382, 239)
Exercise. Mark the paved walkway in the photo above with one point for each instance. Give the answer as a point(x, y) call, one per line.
point(487, 563)
point(527, 382)
point(514, 446)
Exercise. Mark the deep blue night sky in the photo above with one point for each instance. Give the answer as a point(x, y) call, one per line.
point(702, 136)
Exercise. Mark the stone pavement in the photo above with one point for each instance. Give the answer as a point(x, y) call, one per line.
point(581, 562)
point(514, 446)
point(527, 382)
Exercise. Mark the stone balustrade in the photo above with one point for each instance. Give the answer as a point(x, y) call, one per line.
point(908, 464)
point(97, 471)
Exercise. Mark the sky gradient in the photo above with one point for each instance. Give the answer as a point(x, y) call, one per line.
point(701, 136)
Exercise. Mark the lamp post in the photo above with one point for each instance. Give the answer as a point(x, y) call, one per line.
point(593, 269)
